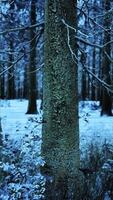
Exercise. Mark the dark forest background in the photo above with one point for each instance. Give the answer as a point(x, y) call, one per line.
point(22, 59)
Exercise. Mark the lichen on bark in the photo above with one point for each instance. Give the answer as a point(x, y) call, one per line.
point(60, 147)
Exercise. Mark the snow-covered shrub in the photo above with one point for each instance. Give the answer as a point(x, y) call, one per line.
point(20, 166)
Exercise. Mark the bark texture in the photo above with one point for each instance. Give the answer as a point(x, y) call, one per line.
point(32, 107)
point(106, 97)
point(60, 147)
point(11, 83)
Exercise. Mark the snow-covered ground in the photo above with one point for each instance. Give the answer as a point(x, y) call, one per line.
point(21, 159)
point(93, 127)
point(22, 145)
point(14, 120)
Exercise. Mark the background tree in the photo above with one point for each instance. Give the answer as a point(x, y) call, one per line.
point(15, 14)
point(10, 81)
point(1, 84)
point(60, 147)
point(32, 107)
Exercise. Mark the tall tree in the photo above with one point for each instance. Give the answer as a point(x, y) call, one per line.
point(32, 107)
point(93, 88)
point(1, 83)
point(106, 97)
point(60, 146)
point(10, 82)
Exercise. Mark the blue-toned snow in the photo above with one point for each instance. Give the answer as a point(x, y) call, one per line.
point(92, 126)
point(22, 138)
point(21, 150)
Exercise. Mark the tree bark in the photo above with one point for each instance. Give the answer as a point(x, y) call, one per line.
point(106, 97)
point(60, 134)
point(11, 82)
point(2, 95)
point(11, 79)
point(32, 106)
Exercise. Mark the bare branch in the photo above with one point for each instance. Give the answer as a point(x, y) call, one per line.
point(84, 40)
point(40, 25)
point(14, 63)
point(79, 38)
point(108, 87)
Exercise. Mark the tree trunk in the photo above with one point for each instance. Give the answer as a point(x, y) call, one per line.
point(25, 84)
point(106, 97)
point(93, 71)
point(60, 146)
point(2, 82)
point(11, 83)
point(84, 93)
point(32, 106)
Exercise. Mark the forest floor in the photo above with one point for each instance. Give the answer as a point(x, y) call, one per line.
point(21, 148)
point(93, 127)
point(14, 119)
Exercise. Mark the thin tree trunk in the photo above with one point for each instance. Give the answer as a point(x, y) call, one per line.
point(25, 85)
point(32, 106)
point(2, 82)
point(93, 71)
point(11, 84)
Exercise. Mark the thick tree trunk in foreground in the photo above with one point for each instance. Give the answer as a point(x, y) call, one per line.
point(106, 97)
point(60, 147)
point(32, 107)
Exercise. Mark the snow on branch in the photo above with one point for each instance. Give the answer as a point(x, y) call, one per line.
point(84, 40)
point(39, 25)
point(93, 20)
point(108, 87)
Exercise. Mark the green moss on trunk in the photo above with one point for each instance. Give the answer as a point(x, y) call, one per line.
point(60, 147)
